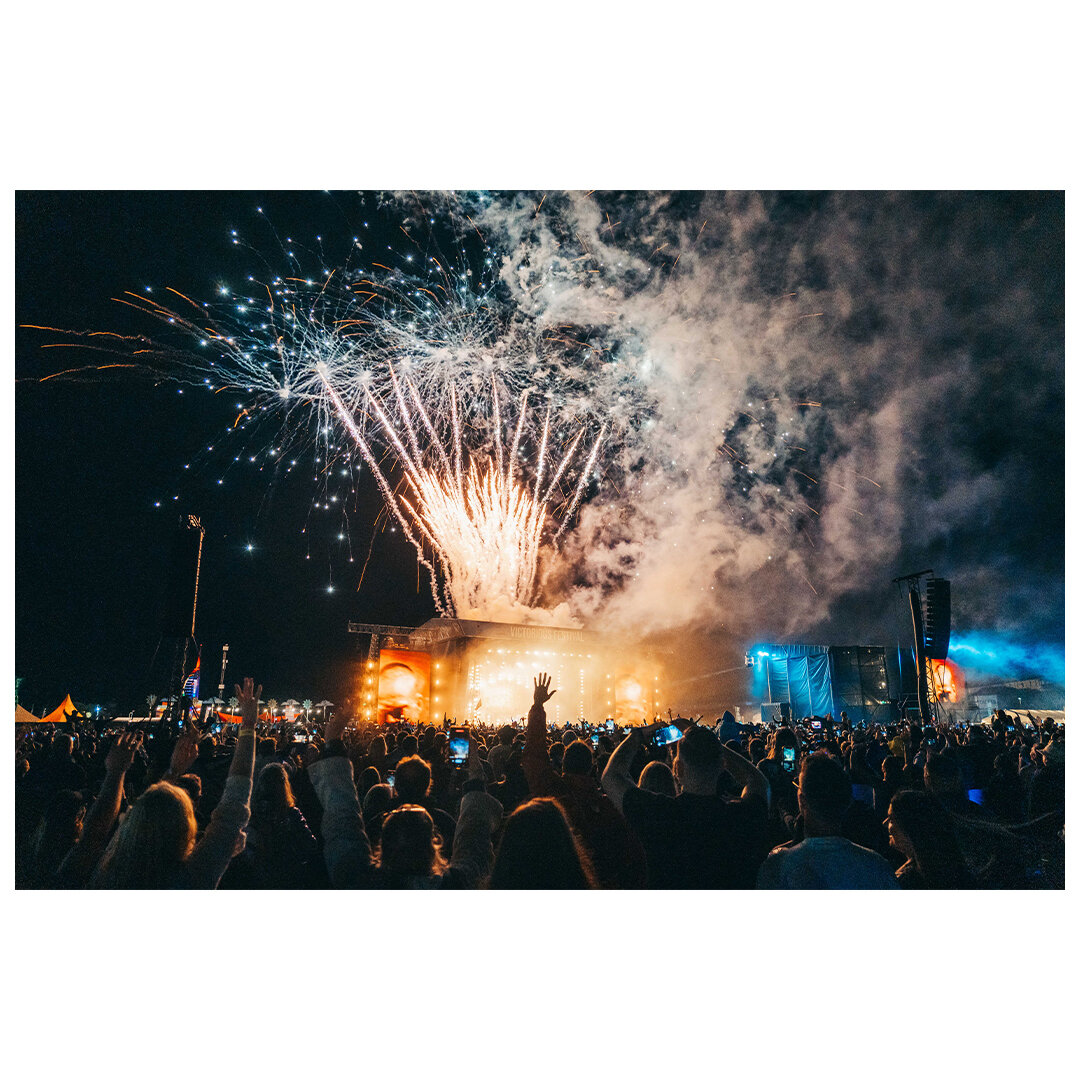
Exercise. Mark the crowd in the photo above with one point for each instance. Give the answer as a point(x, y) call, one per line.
point(815, 804)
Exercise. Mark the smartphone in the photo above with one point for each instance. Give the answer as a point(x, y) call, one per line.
point(390, 780)
point(610, 725)
point(789, 759)
point(300, 738)
point(459, 747)
point(815, 724)
point(595, 741)
point(666, 735)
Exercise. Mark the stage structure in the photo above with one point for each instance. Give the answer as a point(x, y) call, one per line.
point(482, 672)
point(871, 683)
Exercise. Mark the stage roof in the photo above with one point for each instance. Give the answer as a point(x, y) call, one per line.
point(437, 630)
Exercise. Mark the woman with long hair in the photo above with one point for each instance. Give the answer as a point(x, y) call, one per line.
point(411, 850)
point(280, 848)
point(920, 829)
point(539, 850)
point(155, 846)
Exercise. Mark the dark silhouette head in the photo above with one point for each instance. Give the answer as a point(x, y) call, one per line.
point(192, 784)
point(824, 794)
point(539, 850)
point(577, 759)
point(892, 769)
point(698, 761)
point(378, 800)
point(411, 846)
point(62, 747)
point(413, 779)
point(658, 778)
point(942, 778)
point(368, 779)
point(272, 796)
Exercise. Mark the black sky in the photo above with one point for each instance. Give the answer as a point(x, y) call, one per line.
point(91, 547)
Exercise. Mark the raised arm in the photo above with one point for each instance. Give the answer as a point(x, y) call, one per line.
point(346, 848)
point(617, 780)
point(184, 754)
point(79, 863)
point(478, 818)
point(535, 762)
point(222, 839)
point(746, 773)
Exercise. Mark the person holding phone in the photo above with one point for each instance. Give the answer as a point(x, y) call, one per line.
point(698, 840)
point(410, 853)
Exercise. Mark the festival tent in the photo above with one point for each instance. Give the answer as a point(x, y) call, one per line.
point(1057, 715)
point(62, 713)
point(25, 716)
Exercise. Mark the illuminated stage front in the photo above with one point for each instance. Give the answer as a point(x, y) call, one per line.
point(482, 672)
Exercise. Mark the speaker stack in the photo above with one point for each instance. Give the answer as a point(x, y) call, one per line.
point(937, 626)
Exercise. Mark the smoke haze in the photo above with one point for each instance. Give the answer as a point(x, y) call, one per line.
point(807, 396)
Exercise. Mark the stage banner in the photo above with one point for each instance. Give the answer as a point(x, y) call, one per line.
point(404, 686)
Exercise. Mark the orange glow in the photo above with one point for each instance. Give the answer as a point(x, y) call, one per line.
point(948, 680)
point(404, 678)
point(630, 704)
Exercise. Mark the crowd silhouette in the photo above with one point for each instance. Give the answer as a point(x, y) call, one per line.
point(814, 804)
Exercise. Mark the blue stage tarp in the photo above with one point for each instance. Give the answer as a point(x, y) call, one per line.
point(799, 674)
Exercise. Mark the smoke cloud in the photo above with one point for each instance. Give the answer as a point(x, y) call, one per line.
point(807, 396)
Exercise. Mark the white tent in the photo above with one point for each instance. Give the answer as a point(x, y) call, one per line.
point(1057, 715)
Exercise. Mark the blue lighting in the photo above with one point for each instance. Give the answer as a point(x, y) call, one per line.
point(993, 654)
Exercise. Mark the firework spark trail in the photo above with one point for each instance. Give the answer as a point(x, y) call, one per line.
point(582, 484)
point(485, 528)
point(543, 453)
point(517, 438)
point(389, 499)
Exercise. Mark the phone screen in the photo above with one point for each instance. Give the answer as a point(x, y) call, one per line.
point(666, 735)
point(595, 741)
point(459, 747)
point(789, 758)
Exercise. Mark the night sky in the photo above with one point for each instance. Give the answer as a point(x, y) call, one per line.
point(91, 548)
point(940, 353)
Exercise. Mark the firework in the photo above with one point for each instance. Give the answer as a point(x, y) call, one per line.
point(484, 526)
point(486, 391)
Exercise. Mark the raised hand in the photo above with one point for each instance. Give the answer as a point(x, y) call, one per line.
point(249, 703)
point(185, 751)
point(335, 727)
point(474, 767)
point(541, 688)
point(122, 752)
